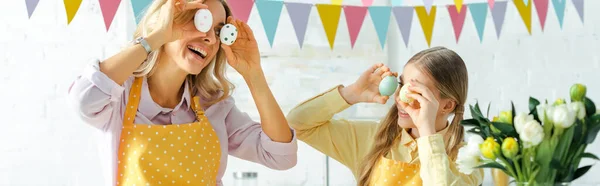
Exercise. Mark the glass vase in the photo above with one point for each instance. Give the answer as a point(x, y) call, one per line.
point(500, 178)
point(540, 184)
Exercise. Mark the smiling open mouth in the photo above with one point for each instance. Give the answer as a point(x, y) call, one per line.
point(197, 51)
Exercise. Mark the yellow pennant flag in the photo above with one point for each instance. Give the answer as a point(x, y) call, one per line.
point(336, 2)
point(427, 21)
point(71, 7)
point(525, 11)
point(330, 17)
point(458, 4)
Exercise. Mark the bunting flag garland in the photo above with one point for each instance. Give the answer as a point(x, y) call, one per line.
point(578, 4)
point(269, 12)
point(498, 16)
point(139, 7)
point(31, 4)
point(541, 7)
point(428, 4)
point(559, 9)
point(396, 2)
point(355, 16)
point(427, 21)
point(330, 18)
point(299, 13)
point(241, 9)
point(71, 7)
point(109, 9)
point(458, 19)
point(381, 20)
point(525, 12)
point(458, 4)
point(404, 17)
point(330, 14)
point(479, 15)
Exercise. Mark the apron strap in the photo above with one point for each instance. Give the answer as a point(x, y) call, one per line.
point(197, 108)
point(134, 100)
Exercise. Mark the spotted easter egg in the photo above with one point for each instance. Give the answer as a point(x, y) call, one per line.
point(228, 34)
point(203, 20)
point(403, 92)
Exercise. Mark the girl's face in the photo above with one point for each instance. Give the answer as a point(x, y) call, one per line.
point(194, 50)
point(412, 72)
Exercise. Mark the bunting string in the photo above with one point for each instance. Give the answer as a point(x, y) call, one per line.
point(270, 12)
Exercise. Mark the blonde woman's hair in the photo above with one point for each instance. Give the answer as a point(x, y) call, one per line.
point(449, 72)
point(211, 81)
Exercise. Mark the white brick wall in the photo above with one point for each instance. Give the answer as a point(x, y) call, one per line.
point(46, 144)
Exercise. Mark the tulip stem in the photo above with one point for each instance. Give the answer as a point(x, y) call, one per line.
point(509, 167)
point(518, 167)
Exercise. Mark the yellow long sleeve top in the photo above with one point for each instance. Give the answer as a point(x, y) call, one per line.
point(349, 141)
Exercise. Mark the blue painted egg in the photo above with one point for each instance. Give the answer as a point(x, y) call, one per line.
point(388, 86)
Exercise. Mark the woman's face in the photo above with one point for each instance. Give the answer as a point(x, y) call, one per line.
point(194, 50)
point(412, 72)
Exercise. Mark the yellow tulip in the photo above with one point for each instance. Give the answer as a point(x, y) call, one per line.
point(490, 149)
point(510, 147)
point(578, 92)
point(506, 117)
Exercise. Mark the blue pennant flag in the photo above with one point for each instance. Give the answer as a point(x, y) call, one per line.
point(381, 19)
point(269, 14)
point(479, 14)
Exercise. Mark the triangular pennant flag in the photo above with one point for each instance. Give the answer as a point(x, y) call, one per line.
point(458, 4)
point(139, 7)
point(498, 16)
point(491, 3)
point(355, 16)
point(269, 12)
point(479, 14)
point(241, 9)
point(525, 12)
point(427, 21)
point(541, 7)
point(367, 2)
point(396, 2)
point(336, 2)
point(299, 13)
point(404, 17)
point(330, 18)
point(71, 7)
point(31, 4)
point(380, 15)
point(526, 2)
point(458, 19)
point(578, 4)
point(109, 9)
point(428, 4)
point(559, 8)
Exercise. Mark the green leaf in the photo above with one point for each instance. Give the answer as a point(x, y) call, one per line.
point(470, 122)
point(493, 165)
point(593, 128)
point(589, 155)
point(514, 112)
point(555, 164)
point(581, 171)
point(477, 110)
point(488, 110)
point(506, 129)
point(578, 131)
point(533, 103)
point(590, 107)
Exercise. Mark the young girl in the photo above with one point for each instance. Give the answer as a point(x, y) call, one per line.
point(414, 144)
point(164, 104)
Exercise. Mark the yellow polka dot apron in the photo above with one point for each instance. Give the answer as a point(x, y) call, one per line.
point(390, 172)
point(178, 154)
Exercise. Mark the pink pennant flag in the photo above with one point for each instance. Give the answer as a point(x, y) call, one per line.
point(458, 19)
point(109, 9)
point(367, 2)
point(241, 9)
point(491, 3)
point(355, 16)
point(541, 6)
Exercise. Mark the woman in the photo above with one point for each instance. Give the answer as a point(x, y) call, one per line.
point(164, 104)
point(414, 144)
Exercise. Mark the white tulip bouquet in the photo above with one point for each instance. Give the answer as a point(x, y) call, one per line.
point(542, 147)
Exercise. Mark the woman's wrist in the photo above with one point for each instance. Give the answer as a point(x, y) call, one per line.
point(155, 40)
